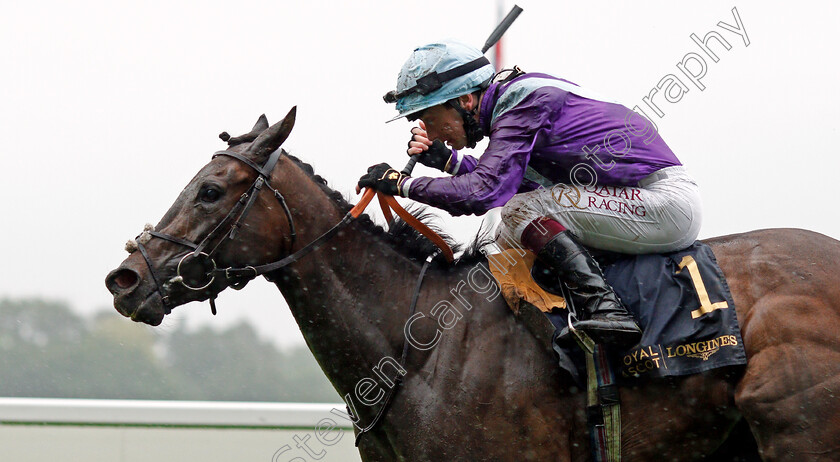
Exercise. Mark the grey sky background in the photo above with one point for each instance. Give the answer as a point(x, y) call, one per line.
point(109, 108)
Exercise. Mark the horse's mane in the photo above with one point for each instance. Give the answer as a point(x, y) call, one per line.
point(400, 235)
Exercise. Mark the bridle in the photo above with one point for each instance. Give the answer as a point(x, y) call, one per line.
point(207, 270)
point(197, 269)
point(237, 278)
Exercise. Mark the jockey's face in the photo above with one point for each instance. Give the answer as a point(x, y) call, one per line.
point(444, 123)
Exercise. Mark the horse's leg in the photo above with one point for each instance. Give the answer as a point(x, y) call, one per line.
point(740, 446)
point(790, 392)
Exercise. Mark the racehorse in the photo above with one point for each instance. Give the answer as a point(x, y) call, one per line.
point(477, 384)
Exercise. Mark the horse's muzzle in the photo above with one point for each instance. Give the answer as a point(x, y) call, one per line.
point(125, 285)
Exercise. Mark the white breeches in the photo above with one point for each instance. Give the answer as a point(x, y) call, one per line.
point(662, 215)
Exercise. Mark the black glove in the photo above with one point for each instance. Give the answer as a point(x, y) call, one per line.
point(437, 156)
point(383, 178)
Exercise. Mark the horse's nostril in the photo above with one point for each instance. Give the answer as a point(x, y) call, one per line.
point(126, 279)
point(121, 279)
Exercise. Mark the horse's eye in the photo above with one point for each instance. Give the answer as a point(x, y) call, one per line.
point(209, 194)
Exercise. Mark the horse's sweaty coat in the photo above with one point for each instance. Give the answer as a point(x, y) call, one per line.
point(487, 390)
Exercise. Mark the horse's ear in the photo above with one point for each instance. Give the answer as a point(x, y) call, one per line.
point(261, 125)
point(271, 139)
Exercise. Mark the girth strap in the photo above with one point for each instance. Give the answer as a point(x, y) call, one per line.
point(603, 408)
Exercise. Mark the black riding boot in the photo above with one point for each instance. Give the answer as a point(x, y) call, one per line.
point(600, 311)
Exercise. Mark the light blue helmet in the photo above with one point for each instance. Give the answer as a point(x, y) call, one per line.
point(437, 73)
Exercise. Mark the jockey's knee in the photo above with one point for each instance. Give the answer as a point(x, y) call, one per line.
point(508, 213)
point(516, 215)
point(680, 237)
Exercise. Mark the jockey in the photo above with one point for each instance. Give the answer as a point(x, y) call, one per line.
point(570, 169)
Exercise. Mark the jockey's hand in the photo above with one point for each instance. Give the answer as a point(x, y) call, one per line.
point(382, 178)
point(432, 154)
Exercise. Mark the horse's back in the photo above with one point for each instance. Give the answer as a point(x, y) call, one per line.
point(787, 293)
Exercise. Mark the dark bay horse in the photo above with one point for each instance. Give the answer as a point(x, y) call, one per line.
point(477, 384)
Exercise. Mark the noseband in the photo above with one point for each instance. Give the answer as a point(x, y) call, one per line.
point(205, 274)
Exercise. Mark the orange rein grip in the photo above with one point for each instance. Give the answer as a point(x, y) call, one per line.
point(419, 226)
point(383, 204)
point(388, 203)
point(362, 205)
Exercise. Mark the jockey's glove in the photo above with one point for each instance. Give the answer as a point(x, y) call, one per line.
point(383, 178)
point(436, 156)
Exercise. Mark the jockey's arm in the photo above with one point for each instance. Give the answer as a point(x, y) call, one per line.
point(478, 185)
point(461, 163)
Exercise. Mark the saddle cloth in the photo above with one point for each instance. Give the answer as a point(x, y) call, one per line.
point(680, 299)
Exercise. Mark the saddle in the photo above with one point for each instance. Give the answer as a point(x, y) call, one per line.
point(670, 295)
point(680, 299)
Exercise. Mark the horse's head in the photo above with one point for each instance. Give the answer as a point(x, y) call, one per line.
point(227, 216)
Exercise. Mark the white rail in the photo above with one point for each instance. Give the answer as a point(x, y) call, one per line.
point(167, 413)
point(104, 430)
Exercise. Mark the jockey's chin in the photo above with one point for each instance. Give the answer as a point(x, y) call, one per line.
point(460, 142)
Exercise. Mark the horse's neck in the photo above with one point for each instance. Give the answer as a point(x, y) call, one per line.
point(351, 296)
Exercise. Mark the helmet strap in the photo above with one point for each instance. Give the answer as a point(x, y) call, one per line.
point(472, 128)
